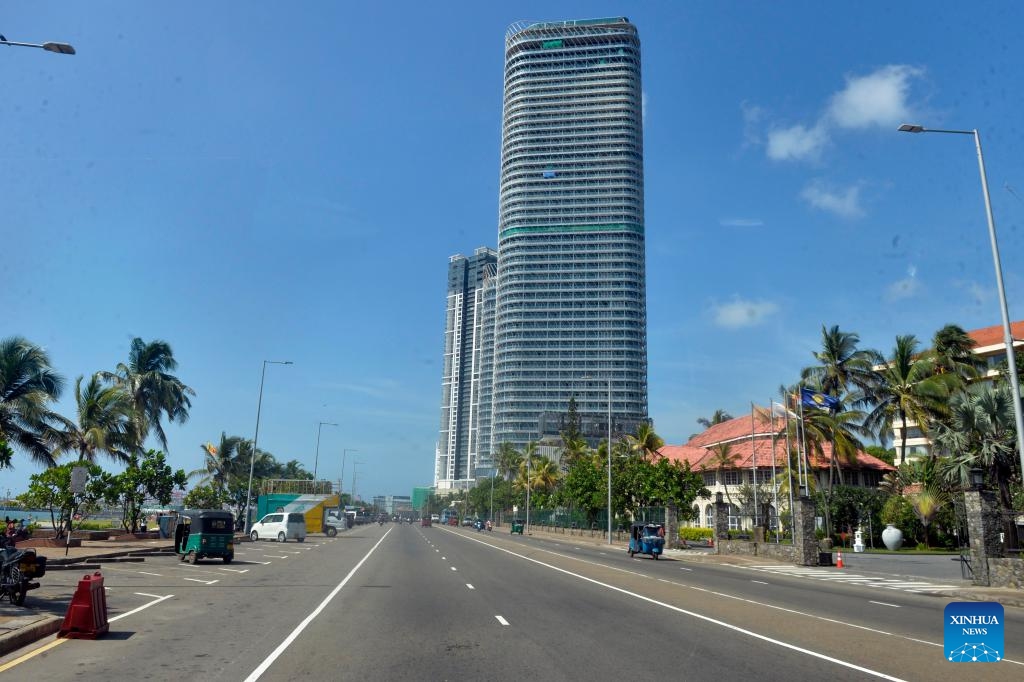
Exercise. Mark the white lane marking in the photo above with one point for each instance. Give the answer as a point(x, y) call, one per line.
point(470, 586)
point(235, 570)
point(154, 596)
point(453, 568)
point(158, 575)
point(759, 582)
point(444, 558)
point(205, 582)
point(273, 556)
point(144, 606)
point(603, 553)
point(262, 668)
point(694, 614)
point(264, 563)
point(882, 603)
point(575, 547)
point(685, 569)
point(107, 589)
point(502, 620)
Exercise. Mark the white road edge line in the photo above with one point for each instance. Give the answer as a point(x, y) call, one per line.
point(262, 668)
point(882, 603)
point(502, 620)
point(699, 616)
point(144, 606)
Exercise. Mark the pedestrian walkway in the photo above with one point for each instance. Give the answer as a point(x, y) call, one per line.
point(842, 576)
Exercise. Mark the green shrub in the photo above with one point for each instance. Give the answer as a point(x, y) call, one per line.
point(696, 533)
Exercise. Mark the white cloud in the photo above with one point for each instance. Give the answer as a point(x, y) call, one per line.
point(908, 287)
point(978, 293)
point(797, 142)
point(740, 313)
point(740, 222)
point(877, 99)
point(844, 203)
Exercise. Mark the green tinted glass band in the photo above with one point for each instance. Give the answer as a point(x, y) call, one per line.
point(540, 229)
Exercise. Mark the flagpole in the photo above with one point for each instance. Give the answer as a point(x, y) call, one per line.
point(753, 460)
point(806, 488)
point(775, 482)
point(789, 468)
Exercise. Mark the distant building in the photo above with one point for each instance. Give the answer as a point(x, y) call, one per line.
point(393, 504)
point(990, 345)
point(466, 375)
point(756, 452)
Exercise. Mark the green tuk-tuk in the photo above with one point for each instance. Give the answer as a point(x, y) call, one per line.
point(205, 534)
point(517, 526)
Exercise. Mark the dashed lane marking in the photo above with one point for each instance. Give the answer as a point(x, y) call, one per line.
point(502, 620)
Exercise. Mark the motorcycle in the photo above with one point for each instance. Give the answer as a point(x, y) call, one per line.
point(18, 568)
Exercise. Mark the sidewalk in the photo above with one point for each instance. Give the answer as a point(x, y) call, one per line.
point(21, 625)
point(1005, 596)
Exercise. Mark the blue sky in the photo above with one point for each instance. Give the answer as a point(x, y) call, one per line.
point(249, 183)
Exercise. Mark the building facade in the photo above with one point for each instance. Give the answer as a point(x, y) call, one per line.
point(464, 376)
point(570, 307)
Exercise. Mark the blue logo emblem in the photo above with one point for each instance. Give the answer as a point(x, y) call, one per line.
point(973, 632)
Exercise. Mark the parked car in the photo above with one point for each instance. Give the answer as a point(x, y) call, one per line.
point(280, 526)
point(435, 518)
point(467, 521)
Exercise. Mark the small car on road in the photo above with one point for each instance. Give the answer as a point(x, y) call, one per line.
point(280, 526)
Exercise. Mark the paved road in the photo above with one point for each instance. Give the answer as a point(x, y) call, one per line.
point(405, 602)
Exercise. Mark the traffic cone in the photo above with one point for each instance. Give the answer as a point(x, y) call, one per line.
point(839, 561)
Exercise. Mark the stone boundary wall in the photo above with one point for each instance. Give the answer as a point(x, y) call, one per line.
point(1006, 573)
point(769, 550)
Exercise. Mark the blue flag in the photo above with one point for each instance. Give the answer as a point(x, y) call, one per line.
point(822, 401)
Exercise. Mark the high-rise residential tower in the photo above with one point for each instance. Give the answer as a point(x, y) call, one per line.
point(570, 316)
point(468, 348)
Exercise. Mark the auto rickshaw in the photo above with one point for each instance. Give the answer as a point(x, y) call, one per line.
point(205, 534)
point(647, 538)
point(517, 526)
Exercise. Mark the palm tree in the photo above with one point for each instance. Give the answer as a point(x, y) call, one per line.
point(981, 433)
point(926, 504)
point(544, 473)
point(508, 460)
point(722, 458)
point(843, 368)
point(155, 392)
point(573, 450)
point(221, 462)
point(645, 442)
point(104, 423)
point(908, 388)
point(718, 417)
point(953, 352)
point(28, 385)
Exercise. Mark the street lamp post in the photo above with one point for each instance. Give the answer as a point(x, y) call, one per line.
point(354, 463)
point(341, 481)
point(1007, 334)
point(252, 459)
point(59, 48)
point(316, 460)
point(609, 457)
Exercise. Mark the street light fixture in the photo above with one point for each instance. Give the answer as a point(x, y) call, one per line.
point(255, 440)
point(316, 461)
point(1007, 334)
point(59, 48)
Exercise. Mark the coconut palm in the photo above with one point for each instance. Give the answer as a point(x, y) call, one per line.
point(718, 417)
point(155, 393)
point(843, 368)
point(28, 385)
point(953, 353)
point(573, 450)
point(722, 458)
point(524, 477)
point(221, 462)
point(544, 473)
point(104, 423)
point(508, 460)
point(907, 389)
point(645, 442)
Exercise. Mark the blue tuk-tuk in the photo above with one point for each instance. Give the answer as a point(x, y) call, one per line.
point(647, 538)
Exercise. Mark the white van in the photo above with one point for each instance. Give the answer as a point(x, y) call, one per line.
point(280, 526)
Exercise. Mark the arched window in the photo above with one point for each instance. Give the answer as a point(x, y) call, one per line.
point(709, 515)
point(735, 520)
point(696, 516)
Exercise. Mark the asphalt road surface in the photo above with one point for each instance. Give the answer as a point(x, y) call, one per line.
point(412, 603)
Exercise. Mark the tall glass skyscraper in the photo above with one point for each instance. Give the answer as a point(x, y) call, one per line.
point(466, 382)
point(570, 315)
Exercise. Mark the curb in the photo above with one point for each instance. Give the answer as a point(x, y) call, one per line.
point(45, 626)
